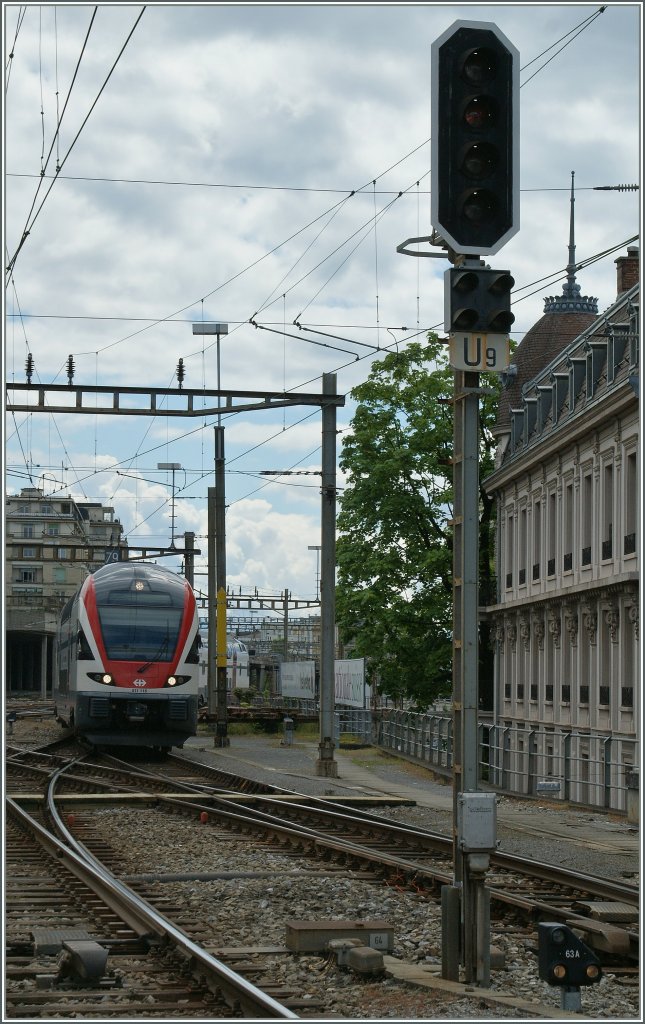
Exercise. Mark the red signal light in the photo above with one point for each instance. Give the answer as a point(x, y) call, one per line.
point(480, 112)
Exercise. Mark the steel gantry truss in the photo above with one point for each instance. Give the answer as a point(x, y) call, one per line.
point(185, 401)
point(146, 401)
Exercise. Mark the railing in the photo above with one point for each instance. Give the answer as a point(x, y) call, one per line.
point(355, 722)
point(427, 738)
point(583, 768)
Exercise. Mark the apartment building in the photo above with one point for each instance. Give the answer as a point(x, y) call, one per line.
point(52, 543)
point(565, 627)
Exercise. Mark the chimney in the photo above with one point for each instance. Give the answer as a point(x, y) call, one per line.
point(627, 270)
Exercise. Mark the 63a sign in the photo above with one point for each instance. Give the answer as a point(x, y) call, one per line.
point(484, 353)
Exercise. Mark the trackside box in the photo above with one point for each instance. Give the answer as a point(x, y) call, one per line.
point(315, 936)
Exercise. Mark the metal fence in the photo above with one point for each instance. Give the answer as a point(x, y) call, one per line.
point(353, 722)
point(591, 769)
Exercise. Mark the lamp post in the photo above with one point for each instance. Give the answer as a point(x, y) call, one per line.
point(217, 330)
point(217, 565)
point(174, 466)
point(316, 548)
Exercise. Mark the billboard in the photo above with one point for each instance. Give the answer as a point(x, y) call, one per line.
point(350, 688)
point(298, 679)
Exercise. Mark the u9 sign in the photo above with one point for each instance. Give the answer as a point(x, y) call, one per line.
point(484, 353)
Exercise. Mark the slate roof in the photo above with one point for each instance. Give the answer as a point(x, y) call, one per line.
point(541, 344)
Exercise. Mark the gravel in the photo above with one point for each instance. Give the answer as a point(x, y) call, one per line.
point(246, 911)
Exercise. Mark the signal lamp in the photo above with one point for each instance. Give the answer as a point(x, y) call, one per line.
point(475, 138)
point(478, 300)
point(479, 66)
point(564, 959)
point(479, 160)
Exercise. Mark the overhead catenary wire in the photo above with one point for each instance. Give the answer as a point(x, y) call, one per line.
point(22, 10)
point(574, 32)
point(300, 326)
point(559, 274)
point(30, 223)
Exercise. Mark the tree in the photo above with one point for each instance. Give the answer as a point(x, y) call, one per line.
point(394, 549)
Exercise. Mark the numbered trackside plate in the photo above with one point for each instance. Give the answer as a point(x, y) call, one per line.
point(484, 353)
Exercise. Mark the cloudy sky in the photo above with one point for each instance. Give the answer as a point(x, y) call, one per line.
point(241, 163)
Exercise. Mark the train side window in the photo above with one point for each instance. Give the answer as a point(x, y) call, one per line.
point(192, 658)
point(67, 610)
point(84, 650)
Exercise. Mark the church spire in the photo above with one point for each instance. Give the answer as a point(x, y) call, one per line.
point(571, 301)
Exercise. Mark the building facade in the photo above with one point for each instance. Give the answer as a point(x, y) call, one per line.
point(565, 627)
point(51, 545)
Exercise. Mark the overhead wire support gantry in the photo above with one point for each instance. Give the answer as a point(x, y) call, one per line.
point(185, 400)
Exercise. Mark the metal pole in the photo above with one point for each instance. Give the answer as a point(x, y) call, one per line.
point(172, 513)
point(326, 765)
point(212, 591)
point(189, 557)
point(465, 639)
point(285, 624)
point(221, 737)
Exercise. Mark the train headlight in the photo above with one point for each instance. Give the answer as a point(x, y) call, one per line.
point(102, 677)
point(176, 680)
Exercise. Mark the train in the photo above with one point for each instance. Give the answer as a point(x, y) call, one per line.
point(126, 658)
point(237, 662)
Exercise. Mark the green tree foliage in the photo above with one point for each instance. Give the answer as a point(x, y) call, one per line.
point(394, 550)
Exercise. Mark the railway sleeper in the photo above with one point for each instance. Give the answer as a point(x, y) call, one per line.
point(602, 936)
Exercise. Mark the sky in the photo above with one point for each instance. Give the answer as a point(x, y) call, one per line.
point(258, 165)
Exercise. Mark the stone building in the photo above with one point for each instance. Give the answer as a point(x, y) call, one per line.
point(565, 626)
point(52, 543)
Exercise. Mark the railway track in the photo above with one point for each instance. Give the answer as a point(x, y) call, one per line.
point(605, 912)
point(67, 916)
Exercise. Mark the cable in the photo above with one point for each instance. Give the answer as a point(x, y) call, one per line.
point(9, 65)
point(29, 225)
point(56, 136)
point(577, 30)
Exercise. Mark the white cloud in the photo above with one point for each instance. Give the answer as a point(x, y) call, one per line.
point(308, 103)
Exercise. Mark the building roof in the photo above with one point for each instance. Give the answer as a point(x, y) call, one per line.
point(565, 317)
point(540, 346)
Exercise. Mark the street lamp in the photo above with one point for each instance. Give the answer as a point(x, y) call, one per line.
point(217, 566)
point(172, 466)
point(317, 549)
point(217, 329)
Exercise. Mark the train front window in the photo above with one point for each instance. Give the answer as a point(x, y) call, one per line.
point(144, 634)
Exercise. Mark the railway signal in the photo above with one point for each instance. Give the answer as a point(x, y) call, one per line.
point(477, 300)
point(563, 958)
point(475, 137)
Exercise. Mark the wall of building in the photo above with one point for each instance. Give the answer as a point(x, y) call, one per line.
point(565, 627)
point(52, 543)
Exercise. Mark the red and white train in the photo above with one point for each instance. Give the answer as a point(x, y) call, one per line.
point(126, 661)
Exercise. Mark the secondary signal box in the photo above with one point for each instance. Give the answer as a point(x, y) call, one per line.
point(477, 822)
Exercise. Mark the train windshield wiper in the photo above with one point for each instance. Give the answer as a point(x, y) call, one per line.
point(157, 657)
